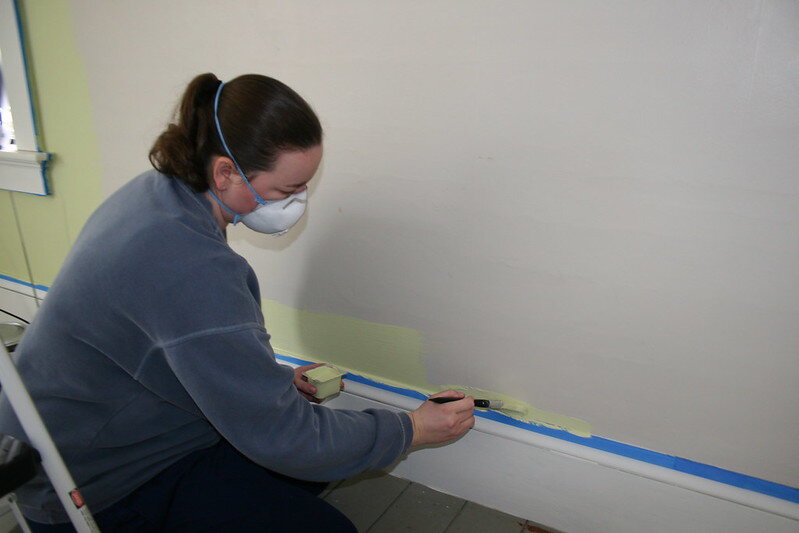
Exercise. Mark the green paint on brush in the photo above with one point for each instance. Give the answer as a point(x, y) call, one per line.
point(527, 413)
point(382, 353)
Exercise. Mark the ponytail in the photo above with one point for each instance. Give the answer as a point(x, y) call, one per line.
point(183, 149)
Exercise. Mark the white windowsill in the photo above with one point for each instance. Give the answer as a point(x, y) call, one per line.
point(23, 157)
point(23, 171)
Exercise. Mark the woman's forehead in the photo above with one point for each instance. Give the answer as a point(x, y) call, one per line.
point(297, 167)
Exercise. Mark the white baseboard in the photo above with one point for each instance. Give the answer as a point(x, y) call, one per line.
point(566, 486)
point(17, 287)
point(17, 299)
point(573, 488)
point(23, 287)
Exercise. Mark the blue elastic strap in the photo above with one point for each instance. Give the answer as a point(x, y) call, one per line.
point(236, 216)
point(258, 198)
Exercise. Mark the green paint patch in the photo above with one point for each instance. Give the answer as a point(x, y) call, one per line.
point(50, 224)
point(382, 353)
point(12, 254)
point(527, 413)
point(323, 373)
point(388, 354)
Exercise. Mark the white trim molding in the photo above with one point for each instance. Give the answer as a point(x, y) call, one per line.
point(23, 171)
point(564, 448)
point(17, 302)
point(570, 487)
point(16, 286)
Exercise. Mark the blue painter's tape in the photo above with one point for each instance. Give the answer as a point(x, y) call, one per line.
point(360, 379)
point(293, 360)
point(686, 466)
point(17, 281)
point(397, 390)
point(679, 464)
point(43, 168)
point(25, 283)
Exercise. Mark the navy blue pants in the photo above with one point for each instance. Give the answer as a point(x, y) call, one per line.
point(218, 489)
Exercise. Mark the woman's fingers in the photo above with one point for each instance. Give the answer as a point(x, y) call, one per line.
point(435, 423)
point(301, 382)
point(449, 393)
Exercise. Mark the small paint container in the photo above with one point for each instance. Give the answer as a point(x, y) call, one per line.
point(326, 379)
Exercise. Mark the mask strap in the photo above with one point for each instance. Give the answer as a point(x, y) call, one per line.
point(236, 216)
point(258, 198)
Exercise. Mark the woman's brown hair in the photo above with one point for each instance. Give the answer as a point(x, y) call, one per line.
point(260, 117)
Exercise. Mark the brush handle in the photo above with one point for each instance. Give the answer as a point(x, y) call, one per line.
point(485, 404)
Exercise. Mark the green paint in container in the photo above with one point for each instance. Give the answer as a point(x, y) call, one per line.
point(326, 379)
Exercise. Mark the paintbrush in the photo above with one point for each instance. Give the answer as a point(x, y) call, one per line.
point(483, 404)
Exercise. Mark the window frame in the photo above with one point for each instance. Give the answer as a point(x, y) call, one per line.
point(23, 170)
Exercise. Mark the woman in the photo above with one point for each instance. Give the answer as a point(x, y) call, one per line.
point(149, 359)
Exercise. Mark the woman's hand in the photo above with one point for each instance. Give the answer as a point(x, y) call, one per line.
point(303, 387)
point(435, 423)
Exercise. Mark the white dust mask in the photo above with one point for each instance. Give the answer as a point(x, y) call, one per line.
point(277, 216)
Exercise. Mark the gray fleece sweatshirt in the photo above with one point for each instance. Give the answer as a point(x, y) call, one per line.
point(151, 344)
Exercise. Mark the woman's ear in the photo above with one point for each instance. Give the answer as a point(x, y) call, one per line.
point(222, 170)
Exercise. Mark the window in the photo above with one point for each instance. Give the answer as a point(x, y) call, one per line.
point(22, 164)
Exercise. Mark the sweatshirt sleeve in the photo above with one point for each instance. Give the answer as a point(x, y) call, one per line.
point(250, 398)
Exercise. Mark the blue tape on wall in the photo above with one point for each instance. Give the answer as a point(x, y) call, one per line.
point(679, 464)
point(25, 283)
point(686, 466)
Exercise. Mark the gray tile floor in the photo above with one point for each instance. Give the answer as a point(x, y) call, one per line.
point(380, 503)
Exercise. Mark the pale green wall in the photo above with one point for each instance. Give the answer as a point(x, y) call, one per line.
point(12, 258)
point(49, 225)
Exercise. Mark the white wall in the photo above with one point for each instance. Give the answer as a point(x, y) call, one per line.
point(591, 206)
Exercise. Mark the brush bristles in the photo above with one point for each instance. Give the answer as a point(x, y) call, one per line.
point(517, 407)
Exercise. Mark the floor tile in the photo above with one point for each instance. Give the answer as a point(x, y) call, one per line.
point(329, 489)
point(535, 527)
point(8, 523)
point(478, 519)
point(421, 510)
point(365, 498)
